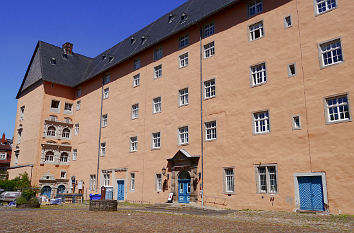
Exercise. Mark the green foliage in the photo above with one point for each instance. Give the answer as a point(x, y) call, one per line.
point(21, 200)
point(28, 194)
point(19, 182)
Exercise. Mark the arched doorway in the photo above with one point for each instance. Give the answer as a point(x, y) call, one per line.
point(184, 187)
point(61, 189)
point(46, 190)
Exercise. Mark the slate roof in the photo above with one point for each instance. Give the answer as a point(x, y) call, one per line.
point(78, 68)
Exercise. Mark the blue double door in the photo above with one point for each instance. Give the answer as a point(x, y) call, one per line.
point(311, 193)
point(120, 194)
point(184, 189)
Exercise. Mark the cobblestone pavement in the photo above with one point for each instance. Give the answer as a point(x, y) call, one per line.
point(77, 218)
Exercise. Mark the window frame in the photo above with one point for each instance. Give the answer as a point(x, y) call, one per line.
point(293, 121)
point(57, 110)
point(183, 38)
point(254, 122)
point(71, 108)
point(92, 184)
point(320, 53)
point(289, 70)
point(3, 155)
point(104, 120)
point(183, 135)
point(158, 178)
point(106, 93)
point(158, 53)
point(74, 155)
point(157, 102)
point(76, 129)
point(183, 97)
point(156, 136)
point(264, 74)
point(49, 132)
point(137, 64)
point(78, 105)
point(132, 181)
point(133, 144)
point(106, 79)
point(256, 13)
point(183, 60)
point(211, 88)
point(315, 8)
point(268, 180)
point(103, 149)
point(207, 28)
point(326, 109)
point(225, 181)
point(286, 25)
point(158, 71)
point(66, 135)
point(135, 111)
point(252, 31)
point(136, 80)
point(106, 179)
point(210, 47)
point(212, 128)
point(22, 112)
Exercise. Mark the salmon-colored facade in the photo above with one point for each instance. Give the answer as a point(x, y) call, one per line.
point(261, 134)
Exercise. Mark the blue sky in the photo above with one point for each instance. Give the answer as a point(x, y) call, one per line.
point(91, 25)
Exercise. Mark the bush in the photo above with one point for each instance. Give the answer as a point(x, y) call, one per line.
point(21, 200)
point(19, 182)
point(28, 194)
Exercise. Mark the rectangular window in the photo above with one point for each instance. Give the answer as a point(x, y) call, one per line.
point(133, 144)
point(106, 93)
point(208, 30)
point(183, 136)
point(78, 104)
point(78, 93)
point(17, 156)
point(288, 22)
point(229, 179)
point(54, 107)
point(106, 79)
point(103, 149)
point(322, 6)
point(296, 122)
point(136, 80)
point(19, 136)
point(62, 174)
point(76, 129)
point(74, 154)
point(183, 41)
point(135, 111)
point(156, 105)
point(258, 74)
point(104, 120)
point(158, 54)
point(183, 60)
point(132, 181)
point(156, 140)
point(210, 130)
point(209, 89)
point(331, 53)
point(3, 156)
point(183, 97)
point(92, 182)
point(291, 70)
point(106, 179)
point(255, 7)
point(256, 31)
point(158, 182)
point(137, 64)
point(68, 108)
point(22, 112)
point(261, 122)
point(209, 50)
point(337, 109)
point(158, 71)
point(267, 179)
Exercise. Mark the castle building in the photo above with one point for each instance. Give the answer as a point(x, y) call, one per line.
point(233, 103)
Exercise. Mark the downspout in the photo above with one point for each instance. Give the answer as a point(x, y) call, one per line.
point(99, 139)
point(201, 113)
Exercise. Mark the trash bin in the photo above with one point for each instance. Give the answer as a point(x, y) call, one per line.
point(95, 196)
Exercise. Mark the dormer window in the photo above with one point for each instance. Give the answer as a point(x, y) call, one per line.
point(171, 17)
point(103, 57)
point(143, 39)
point(183, 18)
point(65, 56)
point(110, 59)
point(53, 61)
point(132, 40)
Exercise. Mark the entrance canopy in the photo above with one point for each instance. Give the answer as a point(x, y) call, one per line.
point(182, 159)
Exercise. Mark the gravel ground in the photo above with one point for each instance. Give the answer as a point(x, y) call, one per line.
point(77, 218)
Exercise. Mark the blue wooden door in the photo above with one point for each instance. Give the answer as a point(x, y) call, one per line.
point(46, 190)
point(120, 195)
point(184, 189)
point(311, 193)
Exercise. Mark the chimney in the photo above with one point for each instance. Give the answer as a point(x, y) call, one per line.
point(68, 48)
point(3, 139)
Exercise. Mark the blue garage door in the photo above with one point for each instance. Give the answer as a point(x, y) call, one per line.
point(311, 193)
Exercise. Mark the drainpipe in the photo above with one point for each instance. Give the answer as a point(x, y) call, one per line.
point(99, 139)
point(201, 112)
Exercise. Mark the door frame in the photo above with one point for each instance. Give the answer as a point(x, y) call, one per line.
point(324, 188)
point(184, 181)
point(124, 183)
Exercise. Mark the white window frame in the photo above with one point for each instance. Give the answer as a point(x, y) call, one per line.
point(209, 50)
point(158, 53)
point(290, 73)
point(209, 88)
point(49, 158)
point(92, 183)
point(183, 60)
point(326, 5)
point(68, 108)
point(17, 156)
point(183, 135)
point(103, 147)
point(78, 105)
point(135, 111)
point(136, 80)
point(288, 21)
point(76, 129)
point(183, 98)
point(158, 182)
point(104, 120)
point(326, 49)
point(106, 179)
point(157, 105)
point(3, 156)
point(61, 174)
point(64, 159)
point(132, 181)
point(22, 112)
point(296, 122)
point(271, 185)
point(257, 5)
point(258, 74)
point(210, 130)
point(55, 109)
point(261, 120)
point(256, 29)
point(134, 144)
point(66, 135)
point(156, 140)
point(342, 108)
point(183, 41)
point(74, 155)
point(229, 180)
point(208, 29)
point(106, 93)
point(158, 71)
point(50, 132)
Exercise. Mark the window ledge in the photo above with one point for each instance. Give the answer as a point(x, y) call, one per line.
point(182, 105)
point(318, 14)
point(259, 84)
point(155, 148)
point(330, 65)
point(256, 38)
point(210, 140)
point(262, 133)
point(208, 98)
point(230, 193)
point(337, 122)
point(183, 144)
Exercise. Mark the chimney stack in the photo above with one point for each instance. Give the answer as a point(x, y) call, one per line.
point(68, 48)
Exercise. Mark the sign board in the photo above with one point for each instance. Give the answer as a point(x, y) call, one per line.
point(170, 196)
